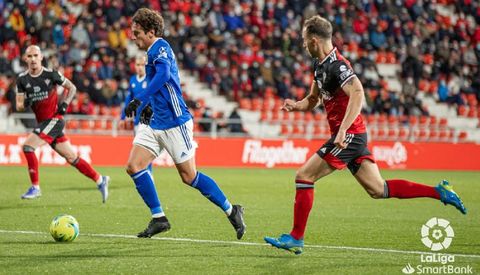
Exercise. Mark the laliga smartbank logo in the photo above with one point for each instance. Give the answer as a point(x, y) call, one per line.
point(437, 234)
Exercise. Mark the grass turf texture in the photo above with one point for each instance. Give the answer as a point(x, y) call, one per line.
point(343, 215)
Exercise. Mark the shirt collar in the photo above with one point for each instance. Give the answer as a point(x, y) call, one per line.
point(153, 43)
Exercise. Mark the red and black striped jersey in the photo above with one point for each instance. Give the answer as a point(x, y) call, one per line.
point(330, 75)
point(40, 91)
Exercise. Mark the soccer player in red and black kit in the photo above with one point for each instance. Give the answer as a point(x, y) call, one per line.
point(338, 88)
point(36, 88)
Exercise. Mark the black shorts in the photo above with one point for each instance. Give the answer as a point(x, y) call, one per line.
point(51, 131)
point(351, 157)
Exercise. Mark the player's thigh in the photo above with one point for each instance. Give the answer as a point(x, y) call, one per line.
point(140, 157)
point(179, 143)
point(34, 141)
point(370, 178)
point(314, 169)
point(146, 147)
point(65, 150)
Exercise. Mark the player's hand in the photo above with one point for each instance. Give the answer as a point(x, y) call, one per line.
point(146, 115)
point(340, 140)
point(62, 108)
point(132, 107)
point(27, 102)
point(289, 105)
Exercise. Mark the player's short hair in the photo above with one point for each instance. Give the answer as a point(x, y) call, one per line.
point(319, 26)
point(149, 20)
point(140, 56)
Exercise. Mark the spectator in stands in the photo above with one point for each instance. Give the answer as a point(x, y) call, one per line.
point(235, 126)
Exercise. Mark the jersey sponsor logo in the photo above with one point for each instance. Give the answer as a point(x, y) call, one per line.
point(287, 153)
point(343, 68)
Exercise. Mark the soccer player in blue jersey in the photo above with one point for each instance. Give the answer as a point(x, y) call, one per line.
point(170, 128)
point(138, 83)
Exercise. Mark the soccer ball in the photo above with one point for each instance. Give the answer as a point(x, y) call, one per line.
point(64, 228)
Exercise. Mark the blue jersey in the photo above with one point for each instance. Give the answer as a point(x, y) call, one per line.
point(136, 86)
point(164, 92)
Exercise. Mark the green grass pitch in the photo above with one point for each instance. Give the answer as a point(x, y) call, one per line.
point(201, 240)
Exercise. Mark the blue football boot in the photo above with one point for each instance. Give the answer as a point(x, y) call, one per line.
point(103, 187)
point(32, 193)
point(287, 242)
point(448, 196)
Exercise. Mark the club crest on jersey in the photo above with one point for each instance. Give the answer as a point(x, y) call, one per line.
point(144, 84)
point(47, 81)
point(133, 85)
point(162, 52)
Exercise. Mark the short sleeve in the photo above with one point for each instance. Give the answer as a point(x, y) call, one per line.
point(58, 78)
point(343, 71)
point(19, 87)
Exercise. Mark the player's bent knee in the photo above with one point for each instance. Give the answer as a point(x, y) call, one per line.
point(376, 192)
point(187, 178)
point(301, 175)
point(133, 168)
point(28, 148)
point(72, 159)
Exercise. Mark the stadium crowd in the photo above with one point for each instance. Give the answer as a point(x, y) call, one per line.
point(246, 50)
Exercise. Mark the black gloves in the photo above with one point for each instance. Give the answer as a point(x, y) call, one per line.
point(62, 108)
point(132, 107)
point(146, 115)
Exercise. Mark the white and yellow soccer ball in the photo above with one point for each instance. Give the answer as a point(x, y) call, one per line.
point(64, 228)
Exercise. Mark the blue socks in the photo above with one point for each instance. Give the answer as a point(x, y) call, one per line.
point(149, 167)
point(146, 188)
point(211, 191)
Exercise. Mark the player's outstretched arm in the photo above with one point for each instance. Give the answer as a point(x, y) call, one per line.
point(307, 104)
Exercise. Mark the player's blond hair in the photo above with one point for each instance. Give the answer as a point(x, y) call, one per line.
point(319, 26)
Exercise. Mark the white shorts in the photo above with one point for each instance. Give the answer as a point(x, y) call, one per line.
point(178, 141)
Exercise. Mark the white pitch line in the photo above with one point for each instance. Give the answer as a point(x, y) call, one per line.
point(368, 249)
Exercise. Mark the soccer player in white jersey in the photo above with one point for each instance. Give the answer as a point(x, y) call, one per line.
point(170, 128)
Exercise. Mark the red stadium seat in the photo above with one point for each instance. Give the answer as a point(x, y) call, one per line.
point(462, 136)
point(392, 134)
point(308, 117)
point(443, 123)
point(245, 103)
point(264, 116)
point(413, 121)
point(462, 110)
point(433, 135)
point(285, 130)
point(298, 130)
point(403, 133)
